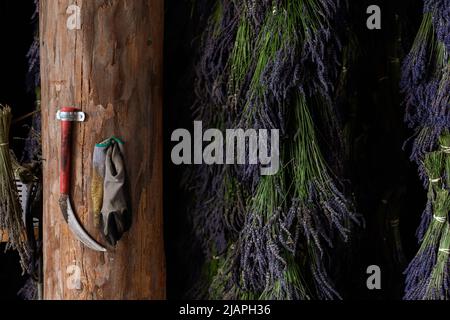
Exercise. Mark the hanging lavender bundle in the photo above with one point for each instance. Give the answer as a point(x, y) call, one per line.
point(427, 274)
point(440, 10)
point(426, 85)
point(321, 210)
point(217, 42)
point(10, 210)
point(426, 81)
point(263, 62)
point(33, 56)
point(32, 150)
point(263, 257)
point(421, 266)
point(207, 183)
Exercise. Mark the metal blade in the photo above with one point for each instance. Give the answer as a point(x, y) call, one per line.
point(75, 226)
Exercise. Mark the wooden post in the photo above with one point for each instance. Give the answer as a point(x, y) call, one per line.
point(111, 68)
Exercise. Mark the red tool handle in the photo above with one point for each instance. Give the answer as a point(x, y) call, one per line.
point(66, 153)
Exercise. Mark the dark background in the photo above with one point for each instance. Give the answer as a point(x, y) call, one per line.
point(384, 181)
point(16, 36)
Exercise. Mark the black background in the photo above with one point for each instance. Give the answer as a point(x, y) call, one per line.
point(380, 168)
point(16, 36)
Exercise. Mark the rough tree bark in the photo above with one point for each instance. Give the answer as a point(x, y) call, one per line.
point(111, 68)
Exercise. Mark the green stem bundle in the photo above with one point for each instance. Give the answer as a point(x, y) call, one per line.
point(428, 273)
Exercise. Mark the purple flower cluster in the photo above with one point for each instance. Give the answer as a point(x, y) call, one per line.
point(440, 9)
point(212, 82)
point(259, 261)
point(425, 221)
point(32, 149)
point(426, 82)
point(257, 10)
point(325, 212)
point(418, 274)
point(427, 276)
point(263, 257)
point(426, 273)
point(320, 63)
point(324, 287)
point(33, 76)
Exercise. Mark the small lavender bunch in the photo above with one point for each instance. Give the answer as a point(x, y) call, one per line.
point(262, 261)
point(32, 149)
point(321, 210)
point(434, 168)
point(11, 223)
point(439, 282)
point(426, 83)
point(421, 267)
point(293, 50)
point(207, 183)
point(440, 10)
point(438, 286)
point(33, 76)
point(321, 207)
point(212, 70)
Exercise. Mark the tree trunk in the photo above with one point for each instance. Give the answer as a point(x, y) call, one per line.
point(111, 68)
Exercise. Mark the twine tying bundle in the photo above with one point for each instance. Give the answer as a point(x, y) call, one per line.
point(440, 219)
point(425, 275)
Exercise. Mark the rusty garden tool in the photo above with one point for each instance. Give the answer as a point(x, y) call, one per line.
point(67, 116)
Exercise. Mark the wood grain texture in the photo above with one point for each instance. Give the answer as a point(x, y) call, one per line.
point(112, 70)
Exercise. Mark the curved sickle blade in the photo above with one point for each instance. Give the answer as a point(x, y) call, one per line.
point(75, 226)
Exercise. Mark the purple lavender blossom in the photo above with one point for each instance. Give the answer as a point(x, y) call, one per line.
point(426, 83)
point(441, 19)
point(33, 76)
point(427, 215)
point(418, 272)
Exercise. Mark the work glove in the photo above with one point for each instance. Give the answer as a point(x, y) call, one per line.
point(109, 190)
